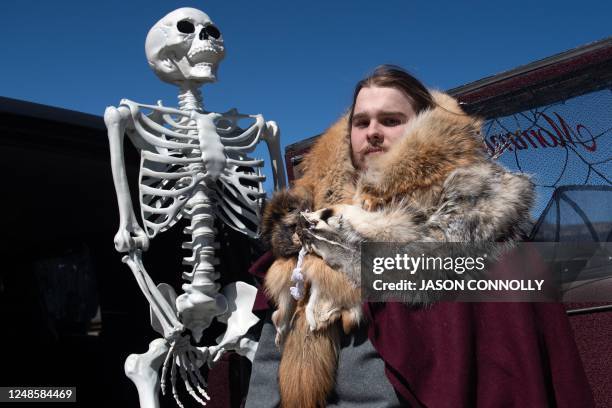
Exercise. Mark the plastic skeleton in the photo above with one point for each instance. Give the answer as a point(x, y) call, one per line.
point(194, 164)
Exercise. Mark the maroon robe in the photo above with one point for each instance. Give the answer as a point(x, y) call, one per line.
point(474, 354)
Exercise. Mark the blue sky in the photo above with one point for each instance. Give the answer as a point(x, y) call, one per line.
point(294, 62)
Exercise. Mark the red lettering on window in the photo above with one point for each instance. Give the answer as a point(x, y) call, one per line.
point(590, 148)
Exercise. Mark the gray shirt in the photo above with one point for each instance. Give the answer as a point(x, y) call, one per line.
point(360, 379)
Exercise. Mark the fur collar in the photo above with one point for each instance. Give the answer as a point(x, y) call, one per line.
point(438, 141)
point(439, 170)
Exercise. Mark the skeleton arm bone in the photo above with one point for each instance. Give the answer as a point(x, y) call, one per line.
point(160, 307)
point(130, 235)
point(271, 136)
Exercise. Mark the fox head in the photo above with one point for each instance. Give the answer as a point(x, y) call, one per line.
point(330, 234)
point(325, 225)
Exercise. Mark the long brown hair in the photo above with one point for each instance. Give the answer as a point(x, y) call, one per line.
point(392, 76)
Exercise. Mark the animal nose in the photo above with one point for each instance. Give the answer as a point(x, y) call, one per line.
point(312, 219)
point(308, 219)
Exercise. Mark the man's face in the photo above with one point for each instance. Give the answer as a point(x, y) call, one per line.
point(380, 119)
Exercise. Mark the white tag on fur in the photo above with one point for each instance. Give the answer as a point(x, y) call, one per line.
point(297, 291)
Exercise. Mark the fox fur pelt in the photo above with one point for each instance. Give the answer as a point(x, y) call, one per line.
point(435, 184)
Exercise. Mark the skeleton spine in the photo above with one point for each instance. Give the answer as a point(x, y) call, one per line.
point(190, 98)
point(200, 210)
point(202, 290)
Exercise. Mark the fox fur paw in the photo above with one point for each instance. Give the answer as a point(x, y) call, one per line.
point(282, 323)
point(370, 202)
point(351, 318)
point(321, 314)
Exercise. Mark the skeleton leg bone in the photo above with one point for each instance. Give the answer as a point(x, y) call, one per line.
point(143, 369)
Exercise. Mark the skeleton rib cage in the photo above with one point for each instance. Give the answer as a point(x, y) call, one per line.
point(184, 157)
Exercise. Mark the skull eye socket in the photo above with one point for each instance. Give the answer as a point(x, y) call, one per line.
point(185, 27)
point(210, 31)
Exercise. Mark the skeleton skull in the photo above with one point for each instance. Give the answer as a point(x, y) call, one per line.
point(185, 46)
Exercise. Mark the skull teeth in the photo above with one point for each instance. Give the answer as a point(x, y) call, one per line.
point(207, 50)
